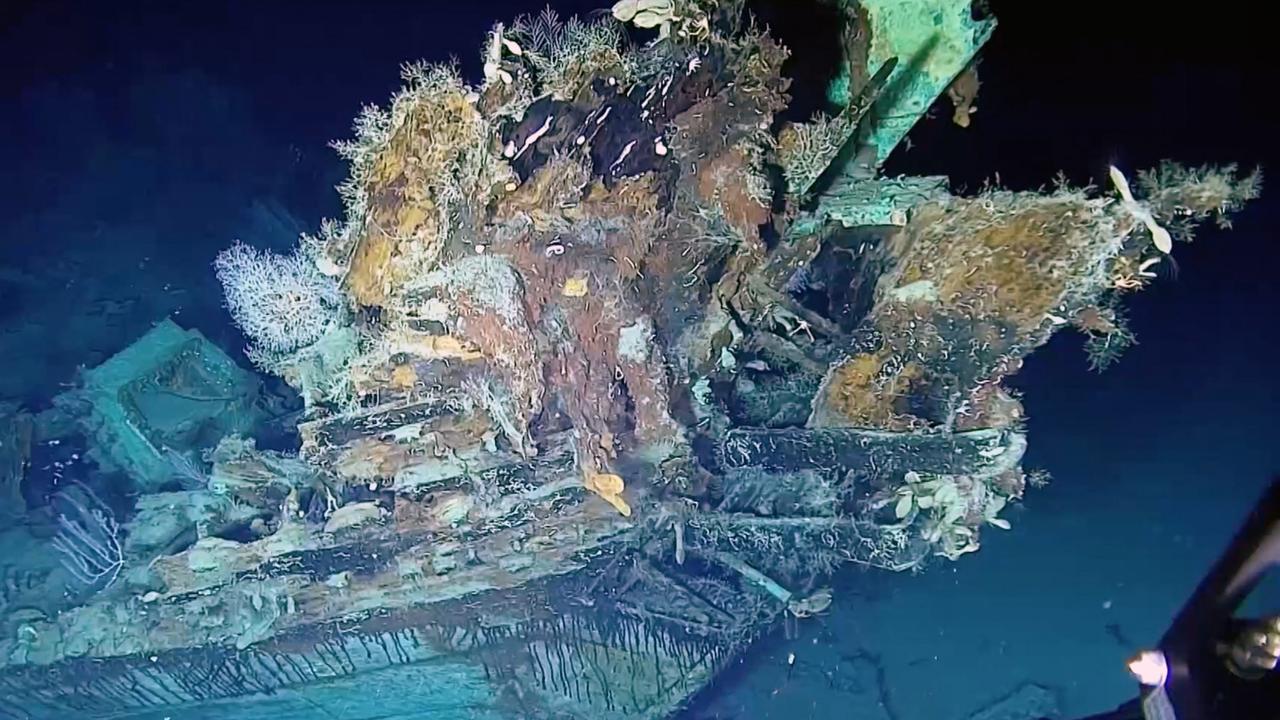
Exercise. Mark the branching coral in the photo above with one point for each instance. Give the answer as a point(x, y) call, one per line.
point(1185, 195)
point(1107, 334)
point(88, 537)
point(283, 303)
point(565, 56)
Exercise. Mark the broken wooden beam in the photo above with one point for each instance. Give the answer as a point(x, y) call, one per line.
point(790, 449)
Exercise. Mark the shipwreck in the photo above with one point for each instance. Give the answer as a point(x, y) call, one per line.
point(609, 365)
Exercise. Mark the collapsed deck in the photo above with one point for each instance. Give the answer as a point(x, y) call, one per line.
point(626, 362)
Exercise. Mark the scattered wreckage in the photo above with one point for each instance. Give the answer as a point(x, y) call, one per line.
point(607, 367)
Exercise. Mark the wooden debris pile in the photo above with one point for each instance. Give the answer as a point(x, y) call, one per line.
point(613, 311)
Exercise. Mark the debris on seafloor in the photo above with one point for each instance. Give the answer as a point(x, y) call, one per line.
point(607, 362)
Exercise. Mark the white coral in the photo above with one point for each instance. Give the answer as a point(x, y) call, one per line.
point(281, 302)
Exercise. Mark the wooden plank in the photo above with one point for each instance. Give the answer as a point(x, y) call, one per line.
point(792, 449)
